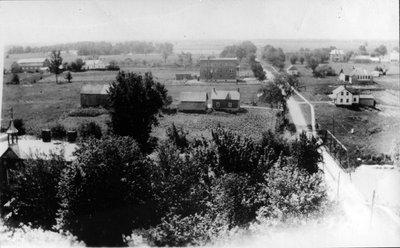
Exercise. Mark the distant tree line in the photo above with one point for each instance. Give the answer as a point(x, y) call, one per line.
point(97, 48)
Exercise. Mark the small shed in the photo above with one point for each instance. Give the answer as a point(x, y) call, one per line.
point(193, 101)
point(367, 100)
point(225, 99)
point(94, 95)
point(292, 70)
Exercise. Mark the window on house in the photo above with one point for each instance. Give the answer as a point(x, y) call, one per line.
point(355, 100)
point(347, 100)
point(229, 105)
point(217, 104)
point(341, 100)
point(347, 93)
point(341, 93)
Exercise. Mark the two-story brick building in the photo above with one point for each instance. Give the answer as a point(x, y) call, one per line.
point(219, 69)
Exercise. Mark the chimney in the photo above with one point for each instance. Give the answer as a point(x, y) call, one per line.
point(46, 135)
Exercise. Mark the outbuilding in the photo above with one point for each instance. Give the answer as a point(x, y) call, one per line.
point(292, 70)
point(193, 101)
point(225, 99)
point(94, 95)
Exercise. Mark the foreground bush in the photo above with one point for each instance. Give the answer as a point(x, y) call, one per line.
point(58, 131)
point(33, 197)
point(90, 129)
point(105, 193)
point(88, 112)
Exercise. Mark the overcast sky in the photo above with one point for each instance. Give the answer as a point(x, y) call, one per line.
point(67, 21)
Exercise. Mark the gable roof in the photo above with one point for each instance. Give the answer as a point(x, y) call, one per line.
point(292, 68)
point(220, 59)
point(225, 94)
point(342, 87)
point(336, 52)
point(27, 148)
point(359, 71)
point(95, 89)
point(193, 96)
point(31, 60)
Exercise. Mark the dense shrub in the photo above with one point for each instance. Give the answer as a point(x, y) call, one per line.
point(89, 129)
point(58, 131)
point(88, 112)
point(33, 198)
point(14, 79)
point(20, 126)
point(323, 71)
point(106, 192)
point(178, 137)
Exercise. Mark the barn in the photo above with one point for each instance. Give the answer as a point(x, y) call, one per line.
point(225, 99)
point(193, 101)
point(33, 64)
point(94, 95)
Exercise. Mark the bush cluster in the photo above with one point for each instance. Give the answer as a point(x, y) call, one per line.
point(179, 197)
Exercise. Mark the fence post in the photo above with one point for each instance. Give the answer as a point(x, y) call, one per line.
point(372, 206)
point(338, 185)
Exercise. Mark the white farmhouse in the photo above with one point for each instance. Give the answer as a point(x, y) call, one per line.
point(346, 97)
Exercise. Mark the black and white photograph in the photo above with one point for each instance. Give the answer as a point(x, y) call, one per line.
point(199, 123)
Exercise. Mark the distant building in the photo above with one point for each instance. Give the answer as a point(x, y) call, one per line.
point(33, 64)
point(225, 99)
point(292, 70)
point(346, 97)
point(219, 69)
point(94, 64)
point(193, 101)
point(337, 55)
point(358, 75)
point(361, 59)
point(94, 95)
point(183, 76)
point(394, 56)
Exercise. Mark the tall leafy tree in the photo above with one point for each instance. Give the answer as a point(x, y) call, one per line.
point(106, 192)
point(166, 50)
point(55, 63)
point(381, 50)
point(305, 153)
point(135, 102)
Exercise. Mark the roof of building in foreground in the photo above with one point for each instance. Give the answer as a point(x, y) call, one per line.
point(29, 147)
point(31, 60)
point(225, 94)
point(193, 96)
point(219, 59)
point(95, 89)
point(292, 68)
point(337, 52)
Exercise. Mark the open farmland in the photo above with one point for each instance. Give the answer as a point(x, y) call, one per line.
point(250, 124)
point(374, 130)
point(45, 103)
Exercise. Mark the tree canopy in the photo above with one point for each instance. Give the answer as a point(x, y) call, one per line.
point(274, 56)
point(55, 63)
point(135, 102)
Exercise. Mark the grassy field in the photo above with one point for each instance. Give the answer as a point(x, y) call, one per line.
point(250, 124)
point(374, 130)
point(45, 103)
